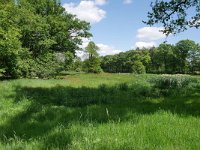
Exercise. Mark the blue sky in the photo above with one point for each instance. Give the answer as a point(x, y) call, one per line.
point(117, 25)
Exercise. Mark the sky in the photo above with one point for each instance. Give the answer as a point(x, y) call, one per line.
point(117, 25)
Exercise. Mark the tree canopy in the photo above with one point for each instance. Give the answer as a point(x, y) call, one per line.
point(175, 15)
point(183, 57)
point(92, 64)
point(32, 32)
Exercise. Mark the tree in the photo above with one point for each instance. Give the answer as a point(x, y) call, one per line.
point(38, 37)
point(91, 50)
point(165, 58)
point(92, 64)
point(182, 50)
point(138, 67)
point(77, 65)
point(194, 59)
point(173, 15)
point(11, 52)
point(69, 58)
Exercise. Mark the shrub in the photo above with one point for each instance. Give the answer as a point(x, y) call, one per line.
point(172, 81)
point(168, 84)
point(138, 68)
point(45, 66)
point(141, 88)
point(1, 72)
point(11, 52)
point(92, 65)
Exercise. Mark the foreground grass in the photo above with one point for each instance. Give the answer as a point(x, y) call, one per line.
point(96, 112)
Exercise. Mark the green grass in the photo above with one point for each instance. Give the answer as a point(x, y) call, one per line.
point(105, 111)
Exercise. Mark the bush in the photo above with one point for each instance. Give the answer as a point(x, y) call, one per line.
point(2, 71)
point(168, 84)
point(142, 88)
point(92, 65)
point(138, 68)
point(11, 52)
point(45, 66)
point(172, 81)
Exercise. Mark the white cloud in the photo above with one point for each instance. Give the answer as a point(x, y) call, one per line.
point(127, 1)
point(147, 37)
point(81, 55)
point(145, 44)
point(100, 2)
point(86, 10)
point(103, 49)
point(107, 50)
point(150, 34)
point(85, 42)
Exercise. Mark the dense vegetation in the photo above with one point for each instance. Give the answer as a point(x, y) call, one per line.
point(44, 43)
point(183, 57)
point(105, 111)
point(35, 36)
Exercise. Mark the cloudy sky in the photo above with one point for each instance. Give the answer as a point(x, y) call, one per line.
point(117, 25)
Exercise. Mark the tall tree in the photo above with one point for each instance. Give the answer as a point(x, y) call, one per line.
point(92, 64)
point(165, 57)
point(91, 50)
point(182, 50)
point(43, 28)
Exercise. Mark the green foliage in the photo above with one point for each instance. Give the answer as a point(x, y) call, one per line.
point(92, 64)
point(173, 84)
point(194, 60)
point(69, 58)
point(91, 50)
point(127, 62)
point(164, 58)
point(138, 67)
point(12, 54)
point(45, 66)
point(173, 15)
point(2, 71)
point(77, 65)
point(183, 48)
point(183, 57)
point(27, 40)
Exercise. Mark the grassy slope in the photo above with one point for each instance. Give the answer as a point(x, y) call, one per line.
point(42, 114)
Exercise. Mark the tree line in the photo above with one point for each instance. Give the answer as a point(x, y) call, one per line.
point(183, 57)
point(38, 38)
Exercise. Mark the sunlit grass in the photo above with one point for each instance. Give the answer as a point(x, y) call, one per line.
point(106, 111)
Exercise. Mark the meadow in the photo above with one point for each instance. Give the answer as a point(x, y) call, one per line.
point(101, 112)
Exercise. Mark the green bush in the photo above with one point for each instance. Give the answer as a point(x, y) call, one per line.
point(92, 65)
point(138, 68)
point(172, 84)
point(45, 66)
point(172, 81)
point(11, 52)
point(142, 89)
point(2, 71)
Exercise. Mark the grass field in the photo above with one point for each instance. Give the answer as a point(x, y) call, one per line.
point(103, 112)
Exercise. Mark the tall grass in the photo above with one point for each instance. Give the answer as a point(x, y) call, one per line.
point(106, 111)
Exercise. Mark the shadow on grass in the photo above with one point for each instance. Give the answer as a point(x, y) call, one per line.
point(56, 107)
